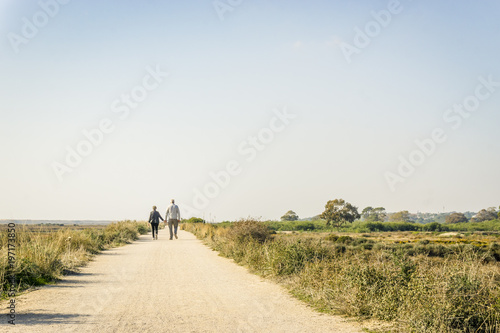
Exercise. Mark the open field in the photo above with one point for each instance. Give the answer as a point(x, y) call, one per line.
point(414, 281)
point(364, 226)
point(419, 281)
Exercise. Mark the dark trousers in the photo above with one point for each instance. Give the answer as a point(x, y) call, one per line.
point(154, 226)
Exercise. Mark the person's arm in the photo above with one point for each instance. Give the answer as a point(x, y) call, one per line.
point(178, 213)
point(160, 216)
point(157, 217)
point(166, 214)
point(150, 217)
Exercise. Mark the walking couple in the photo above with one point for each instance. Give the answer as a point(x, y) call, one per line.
point(172, 217)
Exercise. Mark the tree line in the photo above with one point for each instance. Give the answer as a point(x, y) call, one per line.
point(338, 212)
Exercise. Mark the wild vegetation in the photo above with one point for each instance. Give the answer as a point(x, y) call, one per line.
point(416, 281)
point(366, 226)
point(42, 254)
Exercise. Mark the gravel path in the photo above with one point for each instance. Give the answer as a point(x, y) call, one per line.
point(166, 286)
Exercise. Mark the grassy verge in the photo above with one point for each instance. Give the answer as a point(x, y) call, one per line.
point(42, 257)
point(422, 286)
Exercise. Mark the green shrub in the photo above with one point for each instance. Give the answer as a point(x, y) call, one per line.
point(297, 225)
point(194, 220)
point(364, 226)
point(344, 239)
point(305, 226)
point(464, 291)
point(434, 226)
point(249, 229)
point(142, 228)
point(332, 237)
point(290, 256)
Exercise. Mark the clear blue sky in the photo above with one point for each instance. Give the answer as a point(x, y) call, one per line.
point(232, 67)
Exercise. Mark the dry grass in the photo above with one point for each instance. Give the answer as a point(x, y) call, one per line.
point(42, 256)
point(417, 282)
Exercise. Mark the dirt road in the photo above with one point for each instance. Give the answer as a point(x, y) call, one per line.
point(166, 286)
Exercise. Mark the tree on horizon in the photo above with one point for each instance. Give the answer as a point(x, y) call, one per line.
point(374, 214)
point(402, 216)
point(340, 212)
point(290, 216)
point(456, 218)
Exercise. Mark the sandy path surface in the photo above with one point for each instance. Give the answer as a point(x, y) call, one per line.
point(166, 286)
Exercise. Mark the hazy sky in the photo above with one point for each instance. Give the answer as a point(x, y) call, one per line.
point(247, 108)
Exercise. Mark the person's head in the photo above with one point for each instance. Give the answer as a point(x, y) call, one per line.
point(154, 207)
point(172, 201)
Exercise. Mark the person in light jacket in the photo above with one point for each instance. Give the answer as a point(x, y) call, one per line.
point(172, 217)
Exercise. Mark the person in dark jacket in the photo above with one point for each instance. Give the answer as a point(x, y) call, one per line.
point(154, 219)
